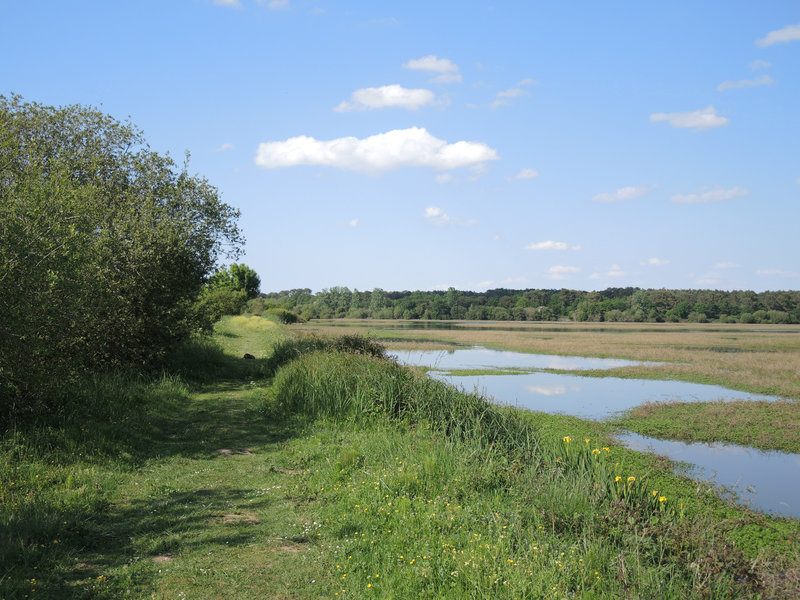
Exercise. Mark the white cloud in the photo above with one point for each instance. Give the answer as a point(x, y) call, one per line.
point(526, 82)
point(704, 118)
point(789, 33)
point(615, 271)
point(352, 223)
point(725, 265)
point(234, 3)
point(561, 271)
point(444, 178)
point(512, 93)
point(745, 83)
point(656, 262)
point(447, 70)
point(777, 273)
point(713, 195)
point(526, 173)
point(437, 216)
point(278, 4)
point(626, 193)
point(550, 245)
point(387, 96)
point(757, 64)
point(397, 148)
point(225, 147)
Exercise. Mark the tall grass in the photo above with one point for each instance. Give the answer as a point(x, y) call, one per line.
point(430, 492)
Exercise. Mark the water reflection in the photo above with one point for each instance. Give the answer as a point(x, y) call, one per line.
point(766, 480)
point(593, 398)
point(483, 358)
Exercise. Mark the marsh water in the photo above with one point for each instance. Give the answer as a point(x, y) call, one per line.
point(767, 481)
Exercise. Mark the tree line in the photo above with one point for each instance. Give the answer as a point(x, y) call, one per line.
point(627, 304)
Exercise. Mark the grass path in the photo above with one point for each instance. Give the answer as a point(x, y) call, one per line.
point(199, 503)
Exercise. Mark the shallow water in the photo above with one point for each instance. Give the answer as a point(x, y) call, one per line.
point(768, 481)
point(484, 358)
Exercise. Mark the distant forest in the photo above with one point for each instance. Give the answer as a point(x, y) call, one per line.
point(613, 304)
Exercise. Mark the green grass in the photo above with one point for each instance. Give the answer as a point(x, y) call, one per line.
point(347, 476)
point(764, 425)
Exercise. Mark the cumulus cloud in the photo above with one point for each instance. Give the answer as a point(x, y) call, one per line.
point(387, 96)
point(446, 69)
point(550, 245)
point(713, 195)
point(525, 174)
point(705, 118)
point(745, 83)
point(397, 148)
point(437, 216)
point(626, 193)
point(656, 262)
point(790, 33)
point(615, 271)
point(225, 147)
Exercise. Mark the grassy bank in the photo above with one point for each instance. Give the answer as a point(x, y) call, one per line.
point(345, 476)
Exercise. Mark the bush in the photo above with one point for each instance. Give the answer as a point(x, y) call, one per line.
point(104, 247)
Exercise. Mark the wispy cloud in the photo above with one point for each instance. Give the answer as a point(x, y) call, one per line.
point(225, 147)
point(550, 245)
point(757, 64)
point(614, 272)
point(437, 216)
point(716, 194)
point(626, 193)
point(526, 173)
point(444, 178)
point(277, 4)
point(561, 271)
point(446, 69)
point(504, 97)
point(790, 33)
point(655, 262)
point(777, 273)
point(352, 223)
point(704, 118)
point(413, 147)
point(232, 3)
point(745, 83)
point(387, 96)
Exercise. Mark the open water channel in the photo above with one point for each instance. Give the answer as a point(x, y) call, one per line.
point(766, 481)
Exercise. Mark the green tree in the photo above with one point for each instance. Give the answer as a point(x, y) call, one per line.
point(104, 247)
point(237, 277)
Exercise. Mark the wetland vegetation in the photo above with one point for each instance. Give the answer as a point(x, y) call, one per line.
point(320, 468)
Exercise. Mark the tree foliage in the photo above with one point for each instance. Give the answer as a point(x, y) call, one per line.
point(104, 247)
point(237, 277)
point(612, 304)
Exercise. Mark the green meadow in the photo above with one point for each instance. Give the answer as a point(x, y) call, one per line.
point(321, 470)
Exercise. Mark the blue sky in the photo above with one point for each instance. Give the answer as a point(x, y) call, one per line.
point(421, 145)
